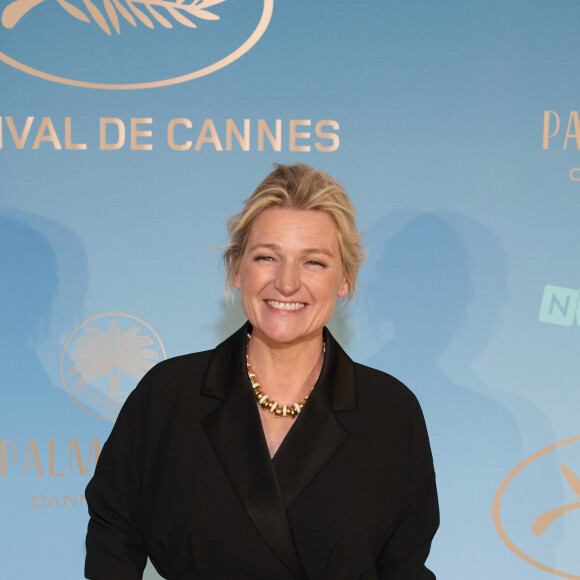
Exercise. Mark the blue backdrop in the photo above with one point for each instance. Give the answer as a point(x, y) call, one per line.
point(453, 126)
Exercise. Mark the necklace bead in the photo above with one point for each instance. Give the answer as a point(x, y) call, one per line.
point(277, 409)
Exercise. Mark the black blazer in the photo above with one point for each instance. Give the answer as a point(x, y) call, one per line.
point(186, 478)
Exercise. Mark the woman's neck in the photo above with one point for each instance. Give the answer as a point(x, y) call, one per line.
point(287, 372)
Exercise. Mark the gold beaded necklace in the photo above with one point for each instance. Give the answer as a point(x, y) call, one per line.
point(277, 409)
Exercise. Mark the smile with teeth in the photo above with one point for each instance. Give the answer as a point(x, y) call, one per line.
point(286, 305)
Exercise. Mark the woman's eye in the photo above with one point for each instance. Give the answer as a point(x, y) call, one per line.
point(316, 263)
point(263, 258)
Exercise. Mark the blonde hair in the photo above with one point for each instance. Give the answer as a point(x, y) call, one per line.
point(298, 186)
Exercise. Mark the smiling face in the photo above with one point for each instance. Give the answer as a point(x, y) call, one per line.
point(290, 274)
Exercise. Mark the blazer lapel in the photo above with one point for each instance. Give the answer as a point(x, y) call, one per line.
point(317, 434)
point(236, 435)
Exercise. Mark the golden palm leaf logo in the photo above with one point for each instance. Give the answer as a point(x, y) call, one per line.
point(164, 12)
point(197, 37)
point(101, 362)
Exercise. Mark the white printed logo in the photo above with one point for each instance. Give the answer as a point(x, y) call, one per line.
point(560, 306)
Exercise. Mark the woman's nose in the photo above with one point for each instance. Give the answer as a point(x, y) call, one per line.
point(287, 279)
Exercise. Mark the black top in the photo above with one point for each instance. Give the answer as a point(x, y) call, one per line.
point(186, 478)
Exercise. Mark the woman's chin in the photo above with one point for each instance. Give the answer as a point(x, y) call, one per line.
point(285, 335)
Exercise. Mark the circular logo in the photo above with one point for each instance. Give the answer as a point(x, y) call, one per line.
point(536, 509)
point(104, 358)
point(129, 44)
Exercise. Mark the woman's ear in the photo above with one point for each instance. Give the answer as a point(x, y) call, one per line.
point(343, 288)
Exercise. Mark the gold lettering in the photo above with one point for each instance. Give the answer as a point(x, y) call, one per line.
point(51, 137)
point(170, 137)
point(135, 132)
point(244, 141)
point(203, 138)
point(104, 121)
point(40, 501)
point(53, 501)
point(35, 503)
point(547, 134)
point(19, 140)
point(294, 123)
point(573, 119)
point(573, 173)
point(32, 446)
point(4, 456)
point(94, 451)
point(67, 499)
point(51, 471)
point(68, 144)
point(263, 129)
point(324, 135)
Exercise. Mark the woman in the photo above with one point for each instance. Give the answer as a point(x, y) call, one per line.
point(273, 456)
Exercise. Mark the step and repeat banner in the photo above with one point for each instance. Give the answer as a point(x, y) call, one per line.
point(130, 130)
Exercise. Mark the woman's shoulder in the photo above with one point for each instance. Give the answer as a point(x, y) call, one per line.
point(391, 409)
point(178, 366)
point(172, 379)
point(382, 387)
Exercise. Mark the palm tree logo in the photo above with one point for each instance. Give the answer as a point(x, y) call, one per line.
point(544, 521)
point(99, 373)
point(108, 43)
point(162, 12)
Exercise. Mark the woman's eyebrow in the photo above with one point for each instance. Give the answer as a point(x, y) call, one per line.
point(273, 247)
point(323, 251)
point(276, 248)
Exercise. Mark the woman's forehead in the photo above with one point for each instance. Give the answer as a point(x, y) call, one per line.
point(276, 226)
